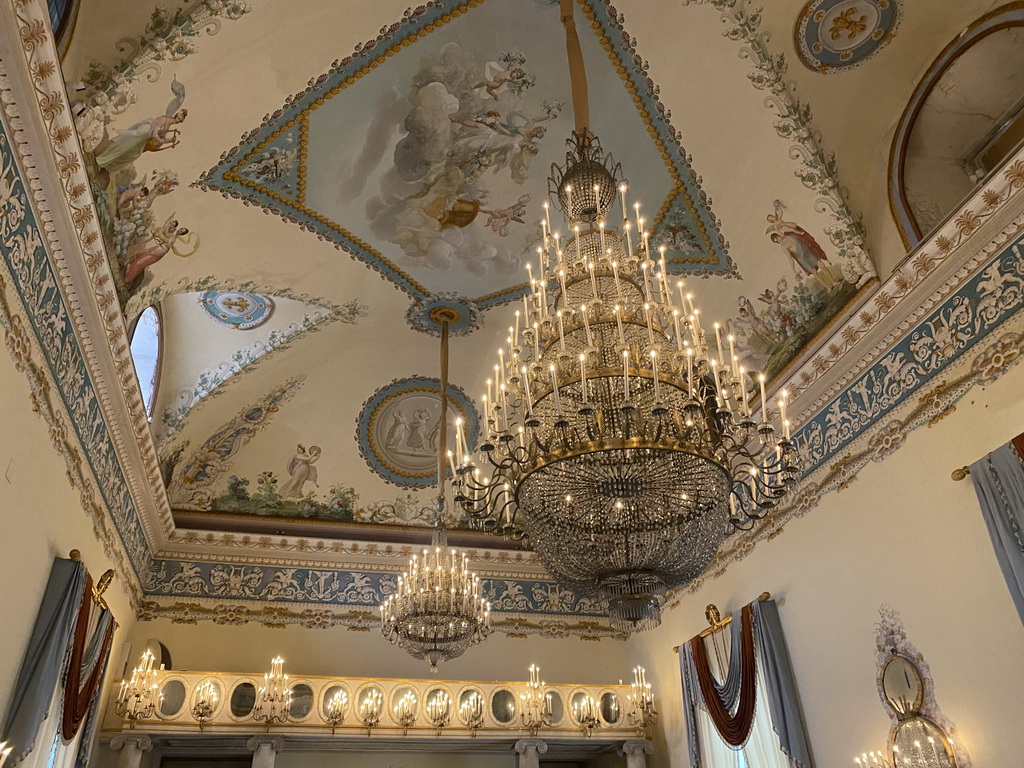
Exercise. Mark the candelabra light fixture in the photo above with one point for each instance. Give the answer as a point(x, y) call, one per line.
point(205, 702)
point(642, 714)
point(405, 711)
point(5, 752)
point(471, 712)
point(137, 698)
point(437, 610)
point(622, 436)
point(535, 705)
point(439, 709)
point(584, 709)
point(335, 710)
point(371, 707)
point(274, 698)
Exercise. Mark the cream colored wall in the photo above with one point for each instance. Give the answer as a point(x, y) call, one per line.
point(339, 651)
point(904, 535)
point(40, 518)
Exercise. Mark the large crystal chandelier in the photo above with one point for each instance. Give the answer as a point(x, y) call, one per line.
point(621, 437)
point(437, 610)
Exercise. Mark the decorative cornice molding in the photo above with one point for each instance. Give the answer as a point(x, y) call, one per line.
point(356, 620)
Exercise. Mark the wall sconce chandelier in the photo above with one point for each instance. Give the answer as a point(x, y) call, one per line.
point(334, 711)
point(471, 712)
point(620, 440)
point(535, 705)
point(370, 709)
point(205, 703)
point(585, 712)
point(137, 698)
point(642, 713)
point(439, 710)
point(274, 698)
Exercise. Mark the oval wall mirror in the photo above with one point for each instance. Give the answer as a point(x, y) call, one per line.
point(556, 706)
point(611, 710)
point(243, 699)
point(503, 706)
point(172, 696)
point(902, 686)
point(302, 701)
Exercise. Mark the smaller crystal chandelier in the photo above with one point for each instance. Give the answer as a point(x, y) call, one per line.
point(334, 711)
point(137, 698)
point(439, 710)
point(585, 712)
point(205, 702)
point(471, 712)
point(370, 709)
point(642, 713)
point(535, 705)
point(437, 610)
point(274, 700)
point(405, 711)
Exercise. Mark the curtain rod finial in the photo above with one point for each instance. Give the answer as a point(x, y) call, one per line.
point(75, 556)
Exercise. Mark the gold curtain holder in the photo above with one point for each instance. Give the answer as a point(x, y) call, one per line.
point(100, 585)
point(717, 622)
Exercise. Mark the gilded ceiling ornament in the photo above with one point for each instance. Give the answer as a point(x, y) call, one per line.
point(236, 309)
point(836, 35)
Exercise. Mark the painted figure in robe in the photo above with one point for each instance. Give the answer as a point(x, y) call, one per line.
point(302, 471)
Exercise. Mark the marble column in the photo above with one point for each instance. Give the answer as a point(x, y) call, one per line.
point(529, 751)
point(264, 750)
point(634, 750)
point(131, 746)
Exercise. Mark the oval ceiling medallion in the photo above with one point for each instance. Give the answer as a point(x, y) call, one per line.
point(236, 309)
point(835, 35)
point(399, 428)
point(427, 314)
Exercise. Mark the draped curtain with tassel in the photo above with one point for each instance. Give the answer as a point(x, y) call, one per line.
point(999, 483)
point(70, 643)
point(754, 707)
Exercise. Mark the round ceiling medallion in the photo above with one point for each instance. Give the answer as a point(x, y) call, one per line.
point(835, 35)
point(236, 309)
point(399, 428)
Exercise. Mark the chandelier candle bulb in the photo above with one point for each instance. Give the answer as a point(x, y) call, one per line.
point(554, 387)
point(547, 215)
point(657, 382)
point(622, 194)
point(526, 385)
point(629, 239)
point(764, 406)
point(639, 221)
point(536, 341)
point(600, 226)
point(568, 200)
point(579, 254)
point(718, 339)
point(615, 274)
point(561, 332)
point(689, 371)
point(675, 326)
point(647, 285)
point(515, 335)
point(586, 325)
point(625, 375)
point(593, 281)
point(732, 353)
point(650, 327)
point(745, 406)
point(618, 320)
point(561, 279)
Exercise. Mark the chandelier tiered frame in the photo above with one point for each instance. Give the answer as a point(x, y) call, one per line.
point(620, 433)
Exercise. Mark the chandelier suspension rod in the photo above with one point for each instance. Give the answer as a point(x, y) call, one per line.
point(577, 70)
point(442, 438)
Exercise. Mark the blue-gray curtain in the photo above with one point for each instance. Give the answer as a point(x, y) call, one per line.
point(773, 656)
point(999, 482)
point(92, 720)
point(45, 658)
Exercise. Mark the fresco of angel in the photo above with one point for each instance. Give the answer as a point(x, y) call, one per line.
point(802, 249)
point(164, 239)
point(301, 470)
point(154, 134)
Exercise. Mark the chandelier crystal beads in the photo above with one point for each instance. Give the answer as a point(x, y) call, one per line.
point(620, 437)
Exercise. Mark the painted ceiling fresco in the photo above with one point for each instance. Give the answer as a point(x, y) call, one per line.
point(295, 417)
point(426, 155)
